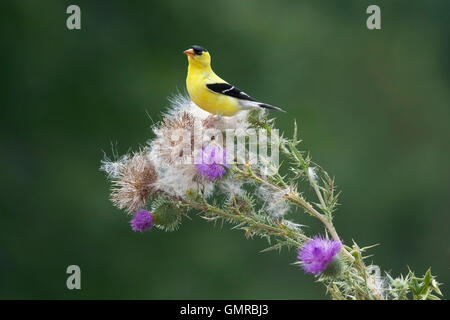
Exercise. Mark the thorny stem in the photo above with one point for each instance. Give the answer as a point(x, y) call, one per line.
point(297, 200)
point(318, 193)
point(287, 234)
point(367, 278)
point(316, 187)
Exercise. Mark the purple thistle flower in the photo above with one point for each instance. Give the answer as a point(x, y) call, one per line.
point(317, 253)
point(211, 162)
point(142, 220)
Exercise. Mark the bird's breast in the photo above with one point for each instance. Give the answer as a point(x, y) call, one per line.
point(207, 100)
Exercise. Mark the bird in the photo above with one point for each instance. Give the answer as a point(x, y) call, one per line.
point(210, 92)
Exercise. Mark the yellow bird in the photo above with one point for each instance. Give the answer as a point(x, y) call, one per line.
point(212, 93)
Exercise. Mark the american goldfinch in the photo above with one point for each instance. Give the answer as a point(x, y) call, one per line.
point(212, 93)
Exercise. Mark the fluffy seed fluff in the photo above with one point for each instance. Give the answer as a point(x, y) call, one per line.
point(275, 202)
point(174, 151)
point(312, 175)
point(376, 282)
point(232, 186)
point(133, 180)
point(168, 166)
point(175, 139)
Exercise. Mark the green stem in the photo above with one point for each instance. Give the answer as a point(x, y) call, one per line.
point(294, 198)
point(266, 228)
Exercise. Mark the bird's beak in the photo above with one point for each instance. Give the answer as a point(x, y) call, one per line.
point(189, 52)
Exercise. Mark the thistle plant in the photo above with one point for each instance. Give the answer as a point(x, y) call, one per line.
point(181, 172)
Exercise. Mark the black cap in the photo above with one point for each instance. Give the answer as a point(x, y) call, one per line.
point(198, 50)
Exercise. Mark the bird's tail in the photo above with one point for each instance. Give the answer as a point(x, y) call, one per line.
point(268, 106)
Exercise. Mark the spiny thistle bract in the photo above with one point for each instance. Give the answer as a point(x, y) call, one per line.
point(242, 203)
point(167, 213)
point(180, 172)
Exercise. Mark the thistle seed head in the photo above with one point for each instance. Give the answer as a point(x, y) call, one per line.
point(134, 183)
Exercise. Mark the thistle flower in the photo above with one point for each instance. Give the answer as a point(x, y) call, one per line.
point(184, 125)
point(133, 180)
point(142, 220)
point(316, 254)
point(172, 149)
point(174, 140)
point(211, 162)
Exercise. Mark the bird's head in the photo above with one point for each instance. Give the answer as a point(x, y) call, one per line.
point(198, 57)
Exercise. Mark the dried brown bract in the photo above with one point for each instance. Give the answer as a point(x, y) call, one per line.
point(133, 185)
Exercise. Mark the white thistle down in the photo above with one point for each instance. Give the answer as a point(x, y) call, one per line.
point(274, 201)
point(230, 186)
point(312, 175)
point(113, 168)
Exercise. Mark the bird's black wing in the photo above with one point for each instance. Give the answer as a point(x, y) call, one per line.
point(229, 90)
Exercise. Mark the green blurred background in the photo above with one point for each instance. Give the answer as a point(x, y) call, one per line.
point(373, 109)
